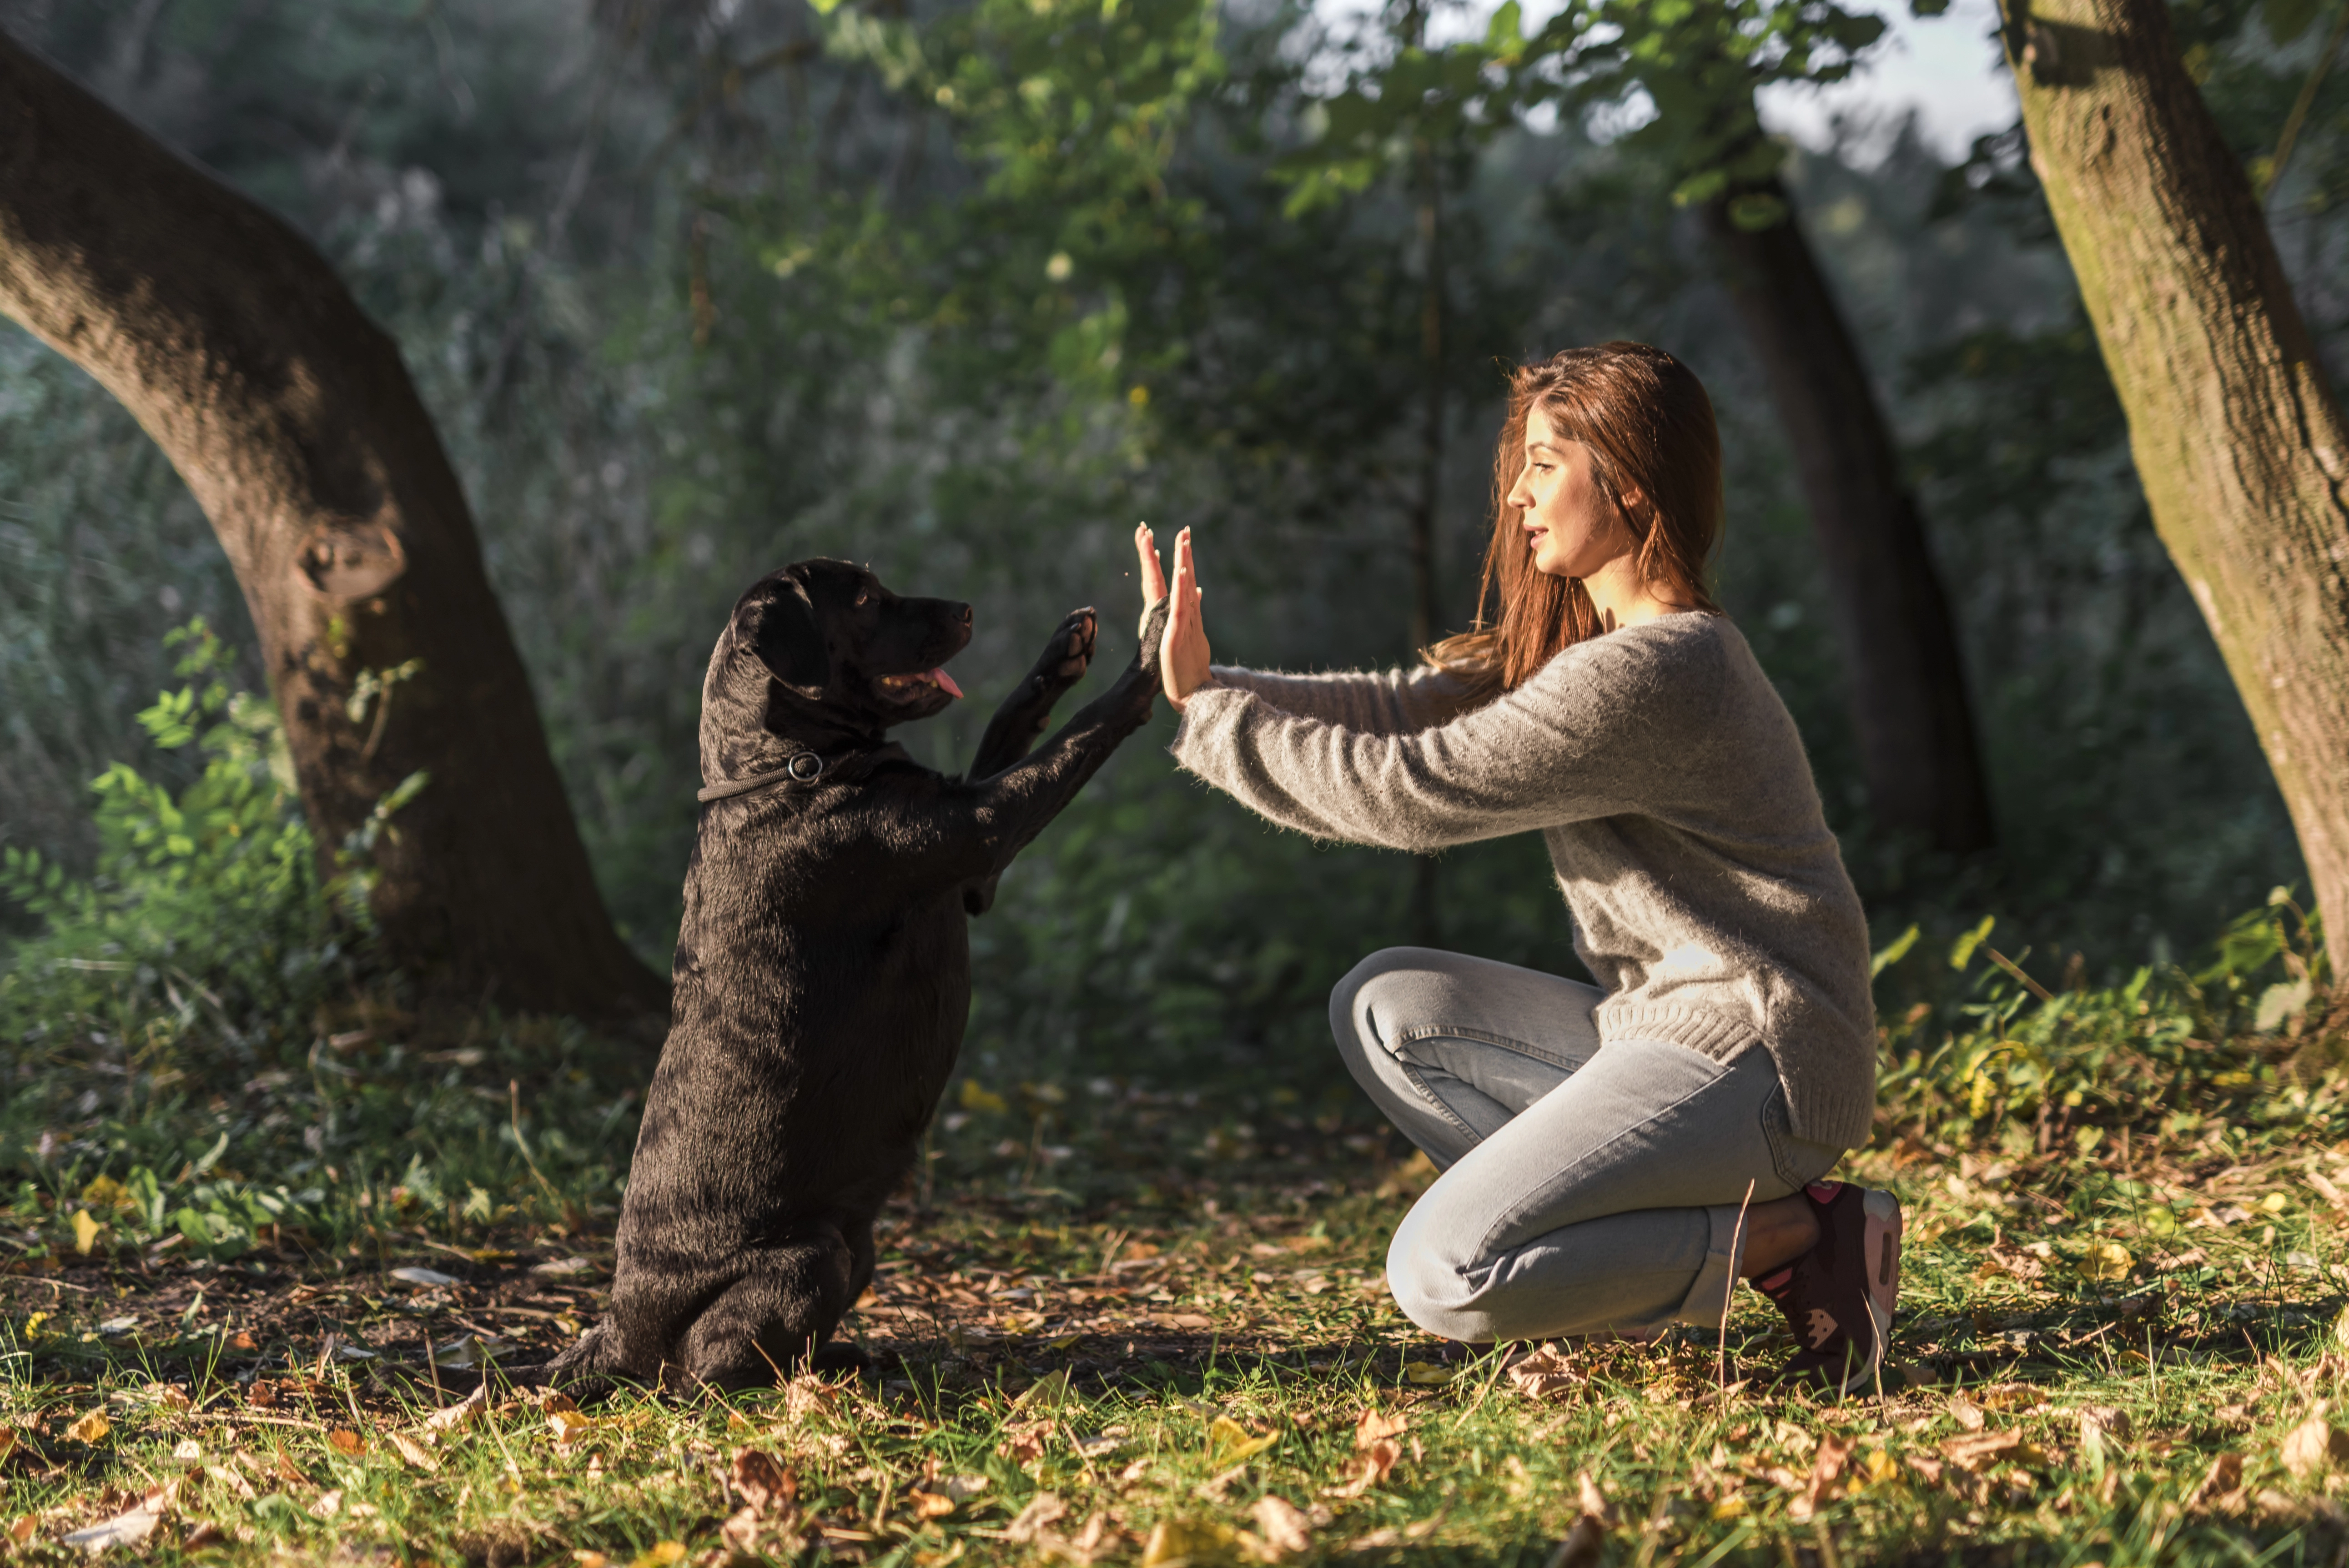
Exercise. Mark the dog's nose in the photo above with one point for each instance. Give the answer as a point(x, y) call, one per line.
point(962, 612)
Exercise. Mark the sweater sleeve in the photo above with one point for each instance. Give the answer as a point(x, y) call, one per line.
point(1386, 702)
point(1605, 727)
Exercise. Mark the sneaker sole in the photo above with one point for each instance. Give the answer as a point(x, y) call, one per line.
point(1880, 1246)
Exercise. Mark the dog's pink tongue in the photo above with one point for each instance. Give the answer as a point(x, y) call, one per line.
point(947, 681)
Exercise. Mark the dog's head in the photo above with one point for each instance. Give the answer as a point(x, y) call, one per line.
point(822, 653)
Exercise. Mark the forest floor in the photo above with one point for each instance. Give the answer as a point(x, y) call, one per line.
point(1168, 1342)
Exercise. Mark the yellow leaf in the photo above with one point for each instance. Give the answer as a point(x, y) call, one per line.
point(1429, 1372)
point(591, 1560)
point(90, 1429)
point(660, 1555)
point(568, 1426)
point(84, 1232)
point(1045, 1392)
point(1229, 1442)
point(345, 1442)
point(1730, 1507)
point(106, 1192)
point(930, 1504)
point(2275, 1202)
point(32, 1323)
point(1186, 1540)
point(2107, 1260)
point(974, 1097)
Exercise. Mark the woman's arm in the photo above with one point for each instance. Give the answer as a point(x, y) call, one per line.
point(1607, 727)
point(1384, 702)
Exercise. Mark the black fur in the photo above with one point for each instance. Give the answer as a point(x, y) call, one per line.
point(823, 972)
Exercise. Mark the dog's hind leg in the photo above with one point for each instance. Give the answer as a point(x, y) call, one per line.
point(775, 1318)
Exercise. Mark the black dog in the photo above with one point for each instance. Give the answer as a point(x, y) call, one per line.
point(823, 973)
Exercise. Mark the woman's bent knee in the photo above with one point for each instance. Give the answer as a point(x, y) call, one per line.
point(1354, 1020)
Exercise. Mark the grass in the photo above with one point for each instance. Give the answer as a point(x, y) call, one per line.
point(1121, 1323)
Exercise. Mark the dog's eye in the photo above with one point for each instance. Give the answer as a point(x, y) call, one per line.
point(863, 600)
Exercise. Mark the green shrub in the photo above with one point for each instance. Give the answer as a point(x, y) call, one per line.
point(206, 904)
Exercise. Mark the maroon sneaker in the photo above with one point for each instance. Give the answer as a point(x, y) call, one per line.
point(1838, 1296)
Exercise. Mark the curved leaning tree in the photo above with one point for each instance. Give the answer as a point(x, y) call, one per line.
point(292, 419)
point(2237, 435)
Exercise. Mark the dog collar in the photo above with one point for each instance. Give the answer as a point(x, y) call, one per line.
point(803, 767)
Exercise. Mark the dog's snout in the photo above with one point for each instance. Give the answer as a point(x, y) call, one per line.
point(962, 614)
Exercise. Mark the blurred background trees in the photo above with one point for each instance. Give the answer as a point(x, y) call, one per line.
point(695, 287)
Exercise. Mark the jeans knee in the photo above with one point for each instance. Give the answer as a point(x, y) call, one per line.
point(1353, 1000)
point(1433, 1292)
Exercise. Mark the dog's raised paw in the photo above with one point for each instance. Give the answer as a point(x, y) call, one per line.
point(1074, 643)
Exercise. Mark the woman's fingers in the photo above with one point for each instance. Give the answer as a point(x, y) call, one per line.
point(1183, 657)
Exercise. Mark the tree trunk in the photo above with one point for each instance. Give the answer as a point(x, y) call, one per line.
point(293, 420)
point(2238, 438)
point(1909, 703)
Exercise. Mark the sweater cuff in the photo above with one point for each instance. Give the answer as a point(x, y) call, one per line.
point(1201, 710)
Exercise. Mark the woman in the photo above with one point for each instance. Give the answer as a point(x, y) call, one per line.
point(1614, 1156)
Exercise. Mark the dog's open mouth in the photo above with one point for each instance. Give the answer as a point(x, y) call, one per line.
point(912, 685)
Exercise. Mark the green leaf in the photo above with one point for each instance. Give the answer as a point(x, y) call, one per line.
point(1893, 952)
point(1963, 953)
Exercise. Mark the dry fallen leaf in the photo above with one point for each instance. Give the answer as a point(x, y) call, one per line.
point(1429, 1372)
point(90, 1429)
point(2013, 1262)
point(1977, 1450)
point(1826, 1473)
point(1023, 1441)
point(2104, 1423)
point(1966, 1413)
point(1370, 1426)
point(1283, 1527)
point(1543, 1373)
point(930, 1504)
point(765, 1485)
point(661, 1554)
point(345, 1442)
point(2222, 1484)
point(451, 1416)
point(128, 1529)
point(414, 1453)
point(567, 1427)
point(1044, 1509)
point(2314, 1446)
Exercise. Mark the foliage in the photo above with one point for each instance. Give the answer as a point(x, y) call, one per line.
point(208, 898)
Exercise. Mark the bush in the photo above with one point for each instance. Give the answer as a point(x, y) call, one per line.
point(204, 905)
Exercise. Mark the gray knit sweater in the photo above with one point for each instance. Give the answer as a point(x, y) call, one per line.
point(1658, 763)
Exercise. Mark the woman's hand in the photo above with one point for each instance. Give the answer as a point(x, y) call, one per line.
point(1182, 658)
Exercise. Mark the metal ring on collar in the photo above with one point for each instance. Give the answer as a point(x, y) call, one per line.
point(804, 767)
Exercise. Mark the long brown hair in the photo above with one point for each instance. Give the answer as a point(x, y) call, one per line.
point(1648, 426)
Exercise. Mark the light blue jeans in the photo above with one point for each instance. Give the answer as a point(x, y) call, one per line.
point(1582, 1189)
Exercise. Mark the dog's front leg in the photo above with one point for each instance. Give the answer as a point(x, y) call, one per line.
point(1021, 718)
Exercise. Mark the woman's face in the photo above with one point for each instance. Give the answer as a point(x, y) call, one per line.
point(1571, 527)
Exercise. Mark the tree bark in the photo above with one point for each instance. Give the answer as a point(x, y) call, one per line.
point(1909, 701)
point(2238, 438)
point(292, 419)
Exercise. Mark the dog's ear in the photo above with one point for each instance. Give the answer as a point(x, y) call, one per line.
point(780, 626)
